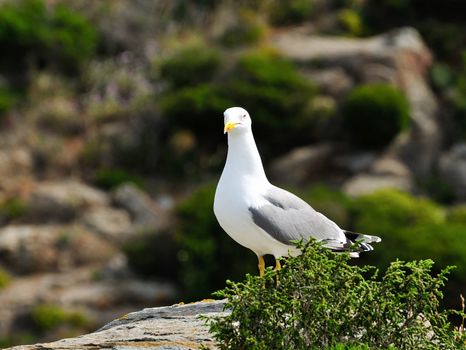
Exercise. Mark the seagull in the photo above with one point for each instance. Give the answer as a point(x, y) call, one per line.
point(263, 217)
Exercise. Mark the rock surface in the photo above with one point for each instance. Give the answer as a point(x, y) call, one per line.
point(399, 57)
point(62, 201)
point(302, 163)
point(41, 248)
point(145, 213)
point(176, 327)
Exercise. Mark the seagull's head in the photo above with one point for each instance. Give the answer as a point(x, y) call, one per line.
point(237, 120)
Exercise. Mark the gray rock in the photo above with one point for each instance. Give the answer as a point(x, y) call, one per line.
point(35, 248)
point(333, 81)
point(15, 160)
point(112, 224)
point(63, 201)
point(399, 57)
point(452, 169)
point(171, 327)
point(302, 164)
point(355, 162)
point(98, 295)
point(145, 213)
point(387, 165)
point(369, 183)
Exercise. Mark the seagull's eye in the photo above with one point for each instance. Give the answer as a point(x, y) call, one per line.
point(243, 116)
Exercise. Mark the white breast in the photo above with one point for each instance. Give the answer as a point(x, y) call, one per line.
point(231, 207)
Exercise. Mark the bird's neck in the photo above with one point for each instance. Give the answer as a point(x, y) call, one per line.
point(243, 156)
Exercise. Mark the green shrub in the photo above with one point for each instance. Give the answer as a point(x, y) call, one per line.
point(74, 40)
point(385, 212)
point(413, 228)
point(267, 85)
point(276, 96)
point(446, 243)
point(290, 11)
point(13, 208)
point(374, 114)
point(197, 108)
point(47, 317)
point(18, 338)
point(111, 178)
point(29, 31)
point(7, 100)
point(5, 278)
point(350, 21)
point(207, 255)
point(319, 301)
point(192, 65)
point(246, 31)
point(457, 214)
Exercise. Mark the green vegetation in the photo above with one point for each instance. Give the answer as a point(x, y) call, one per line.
point(7, 100)
point(112, 178)
point(457, 214)
point(389, 210)
point(267, 85)
point(17, 339)
point(195, 108)
point(318, 301)
point(207, 255)
point(5, 278)
point(283, 12)
point(13, 208)
point(47, 317)
point(374, 115)
point(190, 66)
point(247, 30)
point(350, 21)
point(271, 89)
point(411, 228)
point(29, 31)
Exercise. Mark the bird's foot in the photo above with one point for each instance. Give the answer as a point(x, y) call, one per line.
point(261, 266)
point(278, 266)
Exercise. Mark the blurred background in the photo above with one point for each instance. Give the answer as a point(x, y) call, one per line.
point(111, 123)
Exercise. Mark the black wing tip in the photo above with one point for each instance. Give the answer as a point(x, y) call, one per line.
point(355, 236)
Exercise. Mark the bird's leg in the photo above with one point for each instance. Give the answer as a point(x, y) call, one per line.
point(261, 265)
point(278, 266)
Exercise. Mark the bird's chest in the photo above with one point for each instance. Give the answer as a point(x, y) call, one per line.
point(232, 203)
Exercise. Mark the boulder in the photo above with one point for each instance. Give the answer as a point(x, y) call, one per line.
point(354, 163)
point(144, 212)
point(100, 297)
point(176, 327)
point(333, 81)
point(62, 201)
point(302, 164)
point(452, 169)
point(384, 172)
point(39, 248)
point(112, 224)
point(369, 183)
point(399, 57)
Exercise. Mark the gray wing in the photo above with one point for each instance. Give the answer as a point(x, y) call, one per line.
point(286, 217)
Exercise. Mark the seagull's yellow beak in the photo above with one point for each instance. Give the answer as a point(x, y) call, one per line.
point(229, 126)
